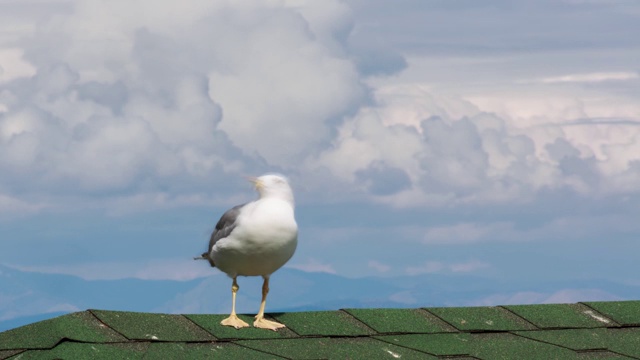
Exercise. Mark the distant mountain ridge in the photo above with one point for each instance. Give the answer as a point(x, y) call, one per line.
point(26, 297)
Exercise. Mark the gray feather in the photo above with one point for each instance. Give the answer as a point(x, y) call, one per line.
point(224, 227)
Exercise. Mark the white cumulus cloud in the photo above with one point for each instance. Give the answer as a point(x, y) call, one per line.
point(155, 101)
point(158, 99)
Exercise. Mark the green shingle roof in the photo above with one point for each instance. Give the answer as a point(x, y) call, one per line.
point(592, 330)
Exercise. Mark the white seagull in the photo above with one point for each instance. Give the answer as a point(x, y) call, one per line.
point(256, 238)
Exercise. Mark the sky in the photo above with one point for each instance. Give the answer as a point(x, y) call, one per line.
point(497, 139)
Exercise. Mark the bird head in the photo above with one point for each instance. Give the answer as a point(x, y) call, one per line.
point(275, 185)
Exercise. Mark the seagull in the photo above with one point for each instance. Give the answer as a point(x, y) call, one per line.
point(255, 239)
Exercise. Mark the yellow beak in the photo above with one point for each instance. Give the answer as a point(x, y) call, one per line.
point(255, 181)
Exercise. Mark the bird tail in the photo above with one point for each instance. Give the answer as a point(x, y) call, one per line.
point(204, 256)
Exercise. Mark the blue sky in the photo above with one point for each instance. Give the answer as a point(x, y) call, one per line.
point(496, 139)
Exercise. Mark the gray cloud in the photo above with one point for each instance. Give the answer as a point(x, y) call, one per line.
point(471, 27)
point(453, 157)
point(381, 179)
point(181, 100)
point(115, 136)
point(176, 100)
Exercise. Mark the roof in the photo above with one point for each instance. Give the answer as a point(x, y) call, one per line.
point(589, 330)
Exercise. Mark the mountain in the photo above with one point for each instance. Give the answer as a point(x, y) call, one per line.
point(26, 297)
point(28, 293)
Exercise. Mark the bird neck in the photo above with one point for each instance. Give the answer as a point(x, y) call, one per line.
point(284, 196)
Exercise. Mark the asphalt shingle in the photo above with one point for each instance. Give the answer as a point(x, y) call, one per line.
point(576, 339)
point(550, 316)
point(627, 341)
point(218, 351)
point(324, 323)
point(601, 355)
point(88, 351)
point(335, 348)
point(434, 344)
point(481, 319)
point(4, 354)
point(80, 326)
point(157, 327)
point(506, 346)
point(587, 331)
point(626, 313)
point(401, 320)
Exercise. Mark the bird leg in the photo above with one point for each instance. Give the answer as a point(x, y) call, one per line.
point(233, 319)
point(261, 322)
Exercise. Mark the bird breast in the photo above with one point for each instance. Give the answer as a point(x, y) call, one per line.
point(265, 239)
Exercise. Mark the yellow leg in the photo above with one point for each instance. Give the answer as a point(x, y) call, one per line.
point(261, 322)
point(233, 319)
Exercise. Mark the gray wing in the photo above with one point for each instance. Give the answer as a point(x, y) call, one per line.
point(224, 227)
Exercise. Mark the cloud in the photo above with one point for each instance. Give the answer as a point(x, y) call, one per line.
point(518, 298)
point(473, 158)
point(571, 227)
point(12, 207)
point(162, 103)
point(563, 296)
point(153, 107)
point(298, 83)
point(569, 25)
point(436, 158)
point(428, 267)
point(378, 266)
point(432, 267)
point(591, 77)
point(313, 265)
point(466, 233)
point(42, 306)
point(469, 266)
point(13, 66)
point(404, 297)
point(157, 269)
point(575, 295)
point(89, 147)
point(381, 179)
point(524, 116)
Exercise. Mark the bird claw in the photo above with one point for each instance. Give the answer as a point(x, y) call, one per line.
point(263, 323)
point(235, 321)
